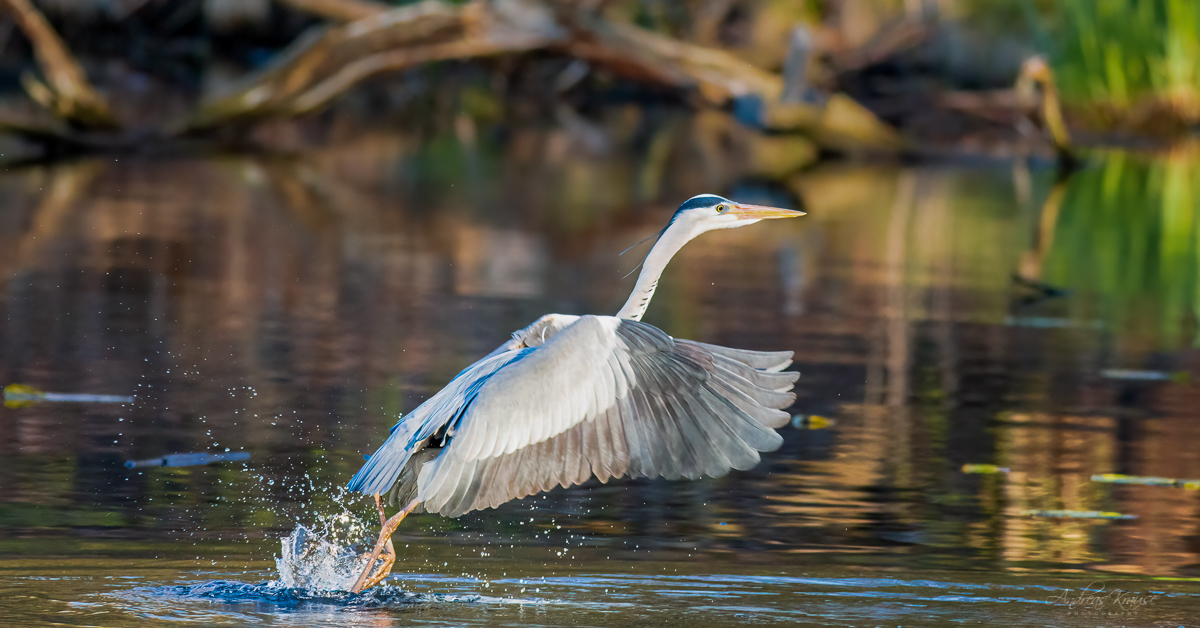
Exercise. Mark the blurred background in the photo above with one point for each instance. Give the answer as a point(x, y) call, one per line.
point(278, 224)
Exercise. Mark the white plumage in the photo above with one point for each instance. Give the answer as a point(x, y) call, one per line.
point(678, 410)
point(571, 397)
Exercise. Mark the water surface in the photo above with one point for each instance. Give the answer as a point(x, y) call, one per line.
point(292, 307)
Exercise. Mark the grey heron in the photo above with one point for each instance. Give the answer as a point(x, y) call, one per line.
point(569, 397)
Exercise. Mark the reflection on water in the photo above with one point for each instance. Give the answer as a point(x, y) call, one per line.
point(663, 594)
point(1126, 238)
point(291, 308)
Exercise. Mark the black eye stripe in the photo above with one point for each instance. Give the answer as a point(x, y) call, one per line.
point(707, 200)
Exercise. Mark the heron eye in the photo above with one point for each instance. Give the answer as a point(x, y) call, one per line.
point(720, 208)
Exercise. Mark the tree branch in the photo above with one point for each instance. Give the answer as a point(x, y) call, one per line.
point(367, 38)
point(324, 52)
point(327, 62)
point(66, 92)
point(338, 10)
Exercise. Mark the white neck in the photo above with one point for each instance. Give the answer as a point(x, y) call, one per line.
point(669, 243)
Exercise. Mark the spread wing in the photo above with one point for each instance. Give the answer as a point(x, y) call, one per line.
point(605, 397)
point(410, 434)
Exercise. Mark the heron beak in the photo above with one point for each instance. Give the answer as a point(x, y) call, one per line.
point(762, 212)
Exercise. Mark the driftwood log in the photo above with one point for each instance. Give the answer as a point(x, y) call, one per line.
point(364, 39)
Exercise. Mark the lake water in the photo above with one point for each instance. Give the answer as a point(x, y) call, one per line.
point(291, 307)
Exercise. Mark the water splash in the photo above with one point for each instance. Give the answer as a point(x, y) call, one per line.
point(310, 561)
point(316, 568)
point(327, 554)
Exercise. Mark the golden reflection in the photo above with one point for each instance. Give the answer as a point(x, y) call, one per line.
point(293, 307)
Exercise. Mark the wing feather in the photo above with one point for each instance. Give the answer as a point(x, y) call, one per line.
point(778, 382)
point(600, 396)
point(769, 361)
point(762, 397)
point(638, 422)
point(717, 443)
point(745, 428)
point(577, 459)
point(752, 406)
point(618, 453)
point(658, 438)
point(406, 437)
point(697, 460)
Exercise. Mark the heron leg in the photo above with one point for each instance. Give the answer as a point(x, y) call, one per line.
point(372, 576)
point(389, 551)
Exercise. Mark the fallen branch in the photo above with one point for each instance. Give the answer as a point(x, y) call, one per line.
point(474, 31)
point(326, 64)
point(338, 10)
point(367, 39)
point(320, 54)
point(645, 55)
point(66, 91)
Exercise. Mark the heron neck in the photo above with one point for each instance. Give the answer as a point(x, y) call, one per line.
point(667, 246)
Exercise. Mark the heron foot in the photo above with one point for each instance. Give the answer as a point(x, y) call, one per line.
point(372, 574)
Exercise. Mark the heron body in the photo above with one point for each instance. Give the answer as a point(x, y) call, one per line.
point(571, 397)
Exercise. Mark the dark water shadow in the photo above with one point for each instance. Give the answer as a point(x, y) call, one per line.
point(274, 595)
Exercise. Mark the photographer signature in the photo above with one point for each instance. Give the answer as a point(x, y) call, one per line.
point(1096, 597)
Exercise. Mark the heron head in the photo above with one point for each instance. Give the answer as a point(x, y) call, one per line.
point(709, 211)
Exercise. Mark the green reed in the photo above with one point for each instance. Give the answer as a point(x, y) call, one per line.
point(1122, 53)
point(1127, 244)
